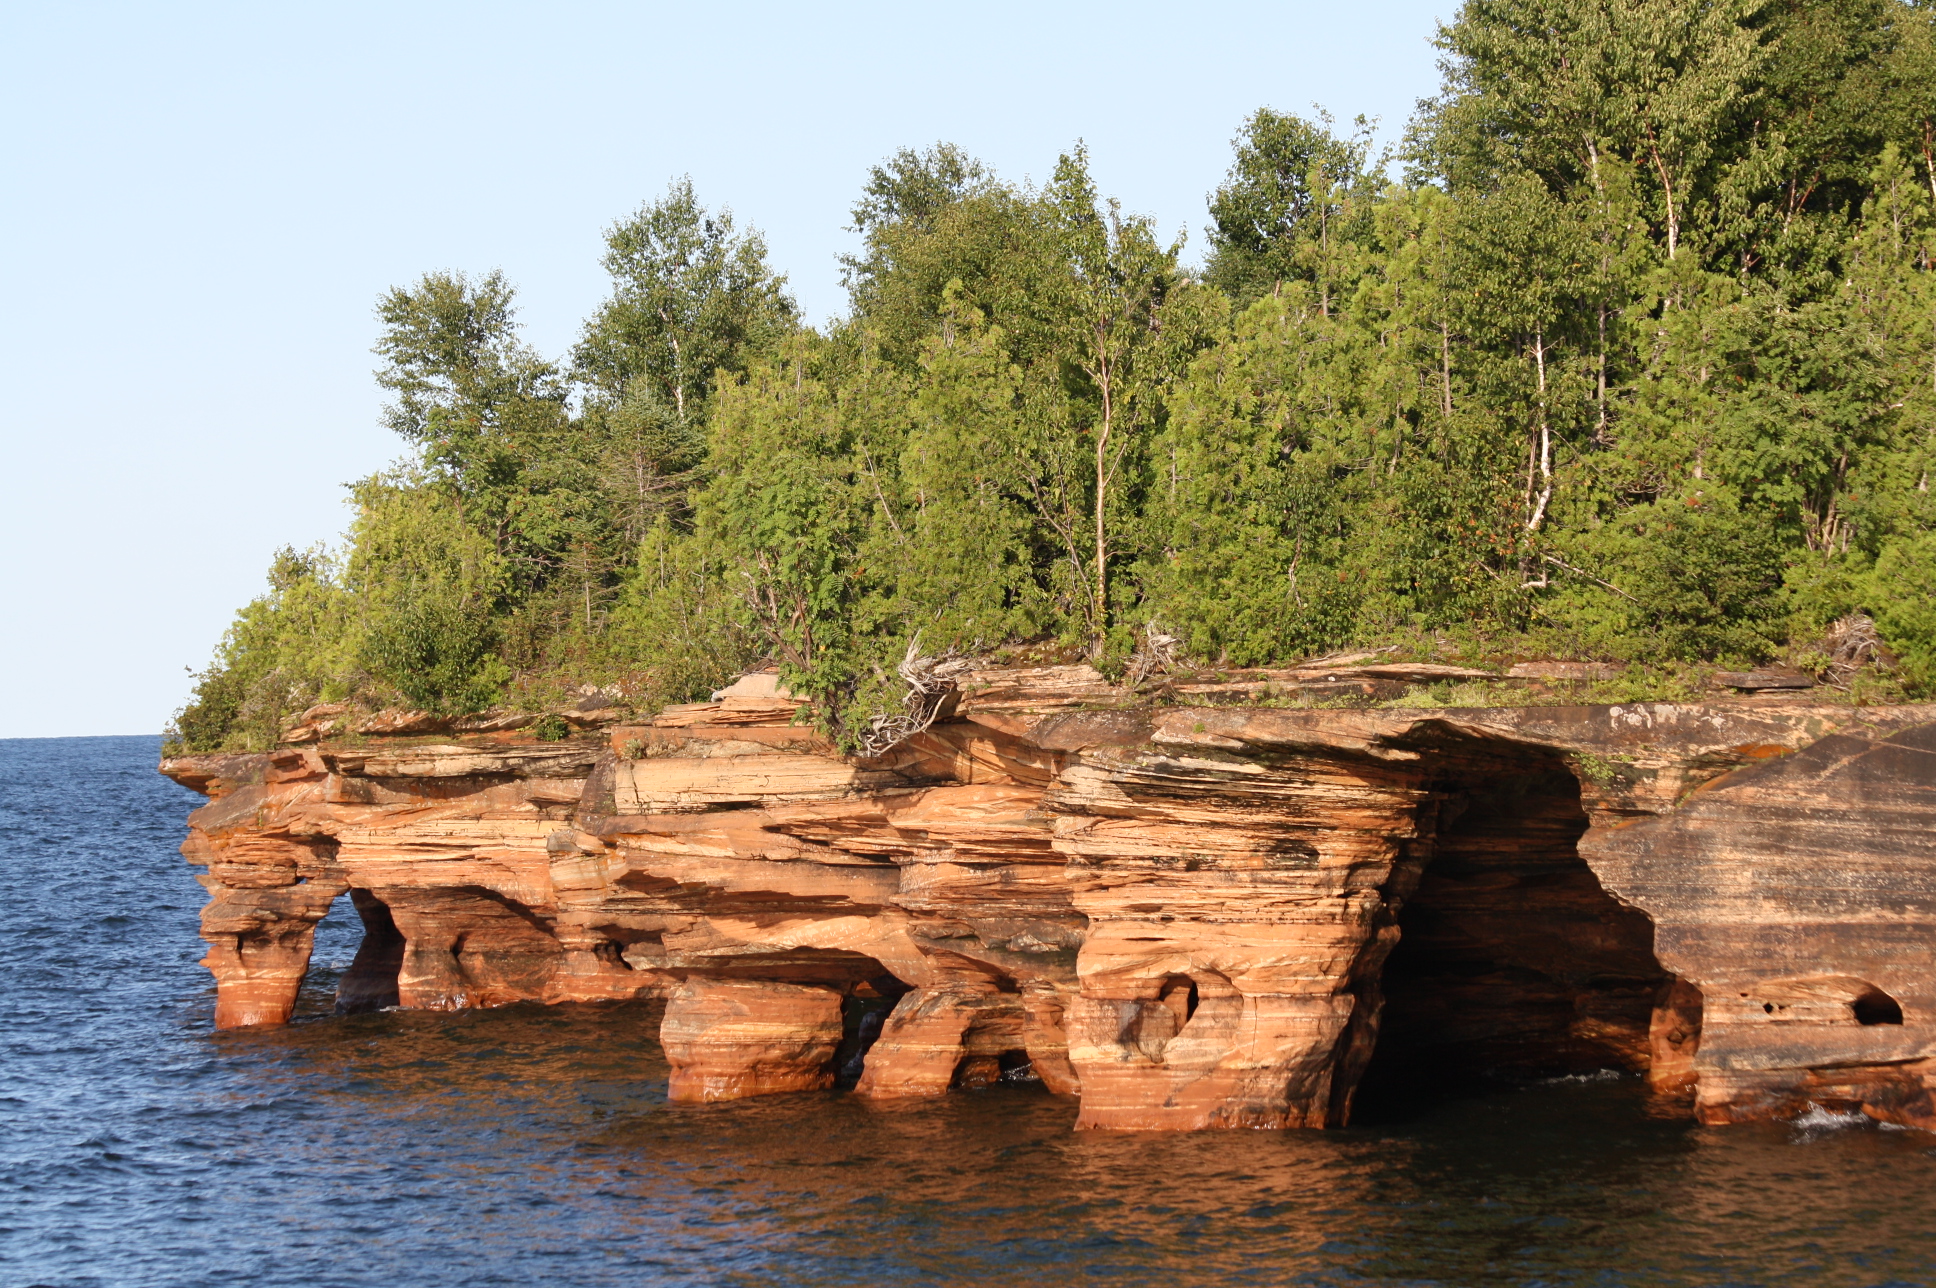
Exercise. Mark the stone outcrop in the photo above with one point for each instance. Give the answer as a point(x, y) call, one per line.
point(1233, 902)
point(1800, 894)
point(729, 1038)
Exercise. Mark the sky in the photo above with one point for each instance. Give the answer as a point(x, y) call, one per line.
point(201, 203)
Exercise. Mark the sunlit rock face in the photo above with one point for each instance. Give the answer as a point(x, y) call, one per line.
point(1800, 896)
point(731, 1038)
point(1189, 910)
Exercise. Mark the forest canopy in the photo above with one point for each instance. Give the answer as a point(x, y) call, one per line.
point(1627, 353)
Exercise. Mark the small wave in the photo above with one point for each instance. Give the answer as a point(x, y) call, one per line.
point(1818, 1120)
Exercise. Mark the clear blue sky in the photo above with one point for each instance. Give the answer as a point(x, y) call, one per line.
point(202, 202)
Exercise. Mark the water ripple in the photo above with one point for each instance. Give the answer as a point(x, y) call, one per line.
point(530, 1145)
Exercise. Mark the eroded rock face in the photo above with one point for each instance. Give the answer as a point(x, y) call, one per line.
point(730, 1038)
point(1191, 913)
point(1799, 895)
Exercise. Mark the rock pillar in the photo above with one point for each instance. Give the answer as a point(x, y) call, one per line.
point(922, 1044)
point(727, 1039)
point(1189, 1051)
point(258, 949)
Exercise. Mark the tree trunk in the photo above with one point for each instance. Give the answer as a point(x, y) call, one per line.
point(678, 368)
point(1667, 190)
point(1545, 449)
point(1445, 367)
point(1100, 623)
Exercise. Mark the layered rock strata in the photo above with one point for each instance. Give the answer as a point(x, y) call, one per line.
point(1187, 908)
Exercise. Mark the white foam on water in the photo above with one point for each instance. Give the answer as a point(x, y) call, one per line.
point(1598, 1075)
point(1819, 1120)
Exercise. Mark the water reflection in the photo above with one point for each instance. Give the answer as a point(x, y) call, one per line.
point(548, 1128)
point(534, 1145)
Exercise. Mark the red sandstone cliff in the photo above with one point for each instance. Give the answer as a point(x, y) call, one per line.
point(1188, 914)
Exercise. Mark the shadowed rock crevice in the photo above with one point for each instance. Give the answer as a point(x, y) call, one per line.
point(370, 984)
point(1512, 959)
point(861, 1020)
point(1876, 1007)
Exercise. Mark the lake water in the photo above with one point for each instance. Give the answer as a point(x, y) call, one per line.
point(534, 1145)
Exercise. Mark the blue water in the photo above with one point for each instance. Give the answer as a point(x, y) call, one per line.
point(534, 1145)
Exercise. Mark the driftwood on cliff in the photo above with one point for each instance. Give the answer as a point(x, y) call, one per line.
point(930, 678)
point(1852, 643)
point(1155, 652)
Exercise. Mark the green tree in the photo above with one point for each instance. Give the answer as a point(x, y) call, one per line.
point(1638, 362)
point(907, 195)
point(1127, 329)
point(1557, 88)
point(961, 537)
point(788, 514)
point(429, 588)
point(287, 649)
point(469, 394)
point(690, 297)
point(1294, 188)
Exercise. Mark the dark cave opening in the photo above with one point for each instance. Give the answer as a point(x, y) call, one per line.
point(1513, 962)
point(863, 1013)
point(1005, 1068)
point(1876, 1007)
point(370, 983)
point(1179, 994)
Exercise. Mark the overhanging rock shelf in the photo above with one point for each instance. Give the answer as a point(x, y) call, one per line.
point(1189, 915)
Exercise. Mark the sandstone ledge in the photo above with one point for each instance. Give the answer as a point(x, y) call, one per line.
point(1189, 914)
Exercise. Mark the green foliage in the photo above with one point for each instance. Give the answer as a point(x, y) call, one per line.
point(1689, 580)
point(690, 298)
point(786, 511)
point(1902, 591)
point(550, 728)
point(1604, 771)
point(286, 650)
point(1638, 363)
point(910, 195)
point(1295, 193)
point(428, 582)
point(435, 649)
point(675, 630)
point(468, 393)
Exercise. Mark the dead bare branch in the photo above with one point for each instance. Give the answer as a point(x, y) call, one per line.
point(1154, 652)
point(1851, 643)
point(929, 679)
